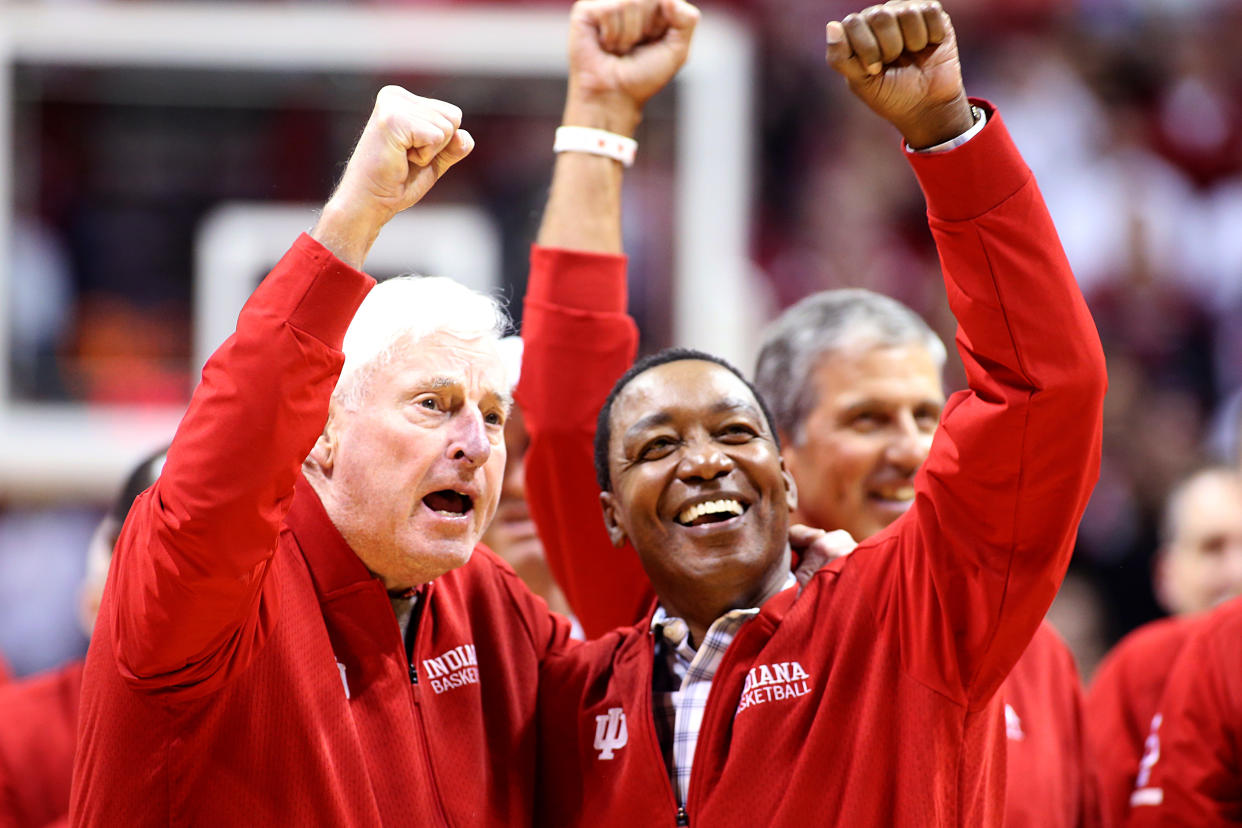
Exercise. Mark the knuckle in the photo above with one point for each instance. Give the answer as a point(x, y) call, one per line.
point(388, 93)
point(454, 114)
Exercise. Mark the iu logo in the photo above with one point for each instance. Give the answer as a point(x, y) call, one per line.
point(610, 732)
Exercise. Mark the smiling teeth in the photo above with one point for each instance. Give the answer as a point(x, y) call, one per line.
point(902, 494)
point(692, 513)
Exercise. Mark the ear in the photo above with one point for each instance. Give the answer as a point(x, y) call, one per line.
point(616, 533)
point(791, 486)
point(323, 453)
point(789, 455)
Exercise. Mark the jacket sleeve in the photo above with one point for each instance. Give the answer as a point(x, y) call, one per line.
point(578, 340)
point(1014, 460)
point(1189, 774)
point(193, 593)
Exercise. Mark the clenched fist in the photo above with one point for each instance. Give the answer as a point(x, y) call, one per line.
point(621, 53)
point(408, 143)
point(901, 59)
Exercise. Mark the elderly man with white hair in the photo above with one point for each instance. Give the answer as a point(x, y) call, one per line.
point(298, 627)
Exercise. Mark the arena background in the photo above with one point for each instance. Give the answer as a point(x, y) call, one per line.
point(157, 158)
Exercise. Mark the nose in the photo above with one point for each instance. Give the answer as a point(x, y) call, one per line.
point(704, 460)
point(909, 445)
point(468, 440)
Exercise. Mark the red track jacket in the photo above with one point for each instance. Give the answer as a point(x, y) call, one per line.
point(1123, 697)
point(1190, 775)
point(246, 669)
point(38, 732)
point(870, 699)
point(1050, 781)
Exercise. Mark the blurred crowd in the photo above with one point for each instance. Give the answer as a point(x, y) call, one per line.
point(1128, 114)
point(1126, 110)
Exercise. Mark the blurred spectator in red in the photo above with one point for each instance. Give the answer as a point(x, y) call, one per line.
point(1198, 566)
point(39, 714)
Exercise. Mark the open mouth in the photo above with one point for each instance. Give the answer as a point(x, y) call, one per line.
point(711, 511)
point(449, 503)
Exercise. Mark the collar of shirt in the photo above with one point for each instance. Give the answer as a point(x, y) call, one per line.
point(682, 680)
point(673, 635)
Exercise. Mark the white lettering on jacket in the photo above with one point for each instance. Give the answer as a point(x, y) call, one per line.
point(1013, 725)
point(1144, 793)
point(452, 668)
point(774, 682)
point(611, 733)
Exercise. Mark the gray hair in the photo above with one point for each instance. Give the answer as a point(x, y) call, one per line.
point(822, 323)
point(402, 311)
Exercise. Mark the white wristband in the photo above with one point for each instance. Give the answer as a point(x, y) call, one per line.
point(596, 142)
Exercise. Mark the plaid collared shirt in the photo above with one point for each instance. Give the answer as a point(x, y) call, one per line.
point(682, 680)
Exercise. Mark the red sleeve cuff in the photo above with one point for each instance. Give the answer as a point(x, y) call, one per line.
point(964, 183)
point(333, 295)
point(575, 279)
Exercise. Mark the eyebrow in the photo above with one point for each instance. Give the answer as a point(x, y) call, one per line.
point(652, 420)
point(659, 418)
point(445, 381)
point(734, 404)
point(870, 403)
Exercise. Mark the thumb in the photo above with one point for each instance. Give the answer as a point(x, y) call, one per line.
point(801, 536)
point(459, 146)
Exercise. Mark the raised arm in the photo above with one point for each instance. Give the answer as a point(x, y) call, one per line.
point(192, 591)
point(1015, 457)
point(578, 337)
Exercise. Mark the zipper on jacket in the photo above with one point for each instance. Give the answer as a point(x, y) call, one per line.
point(410, 644)
point(419, 638)
point(709, 711)
point(654, 739)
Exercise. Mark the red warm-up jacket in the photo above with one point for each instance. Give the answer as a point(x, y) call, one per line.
point(1123, 697)
point(1051, 782)
point(870, 699)
point(38, 733)
point(247, 669)
point(1190, 775)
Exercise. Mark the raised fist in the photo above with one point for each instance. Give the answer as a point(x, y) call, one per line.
point(406, 146)
point(901, 59)
point(628, 48)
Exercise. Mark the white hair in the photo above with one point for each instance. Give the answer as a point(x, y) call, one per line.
point(404, 310)
point(823, 323)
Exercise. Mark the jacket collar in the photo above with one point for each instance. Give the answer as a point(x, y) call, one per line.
point(333, 564)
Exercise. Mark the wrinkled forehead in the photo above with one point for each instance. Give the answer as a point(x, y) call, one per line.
point(444, 360)
point(686, 390)
point(908, 370)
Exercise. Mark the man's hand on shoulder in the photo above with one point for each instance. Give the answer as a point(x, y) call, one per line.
point(408, 143)
point(817, 548)
point(901, 59)
point(621, 53)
